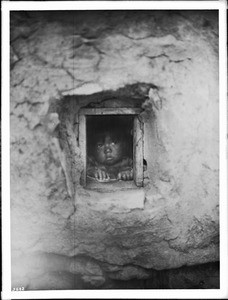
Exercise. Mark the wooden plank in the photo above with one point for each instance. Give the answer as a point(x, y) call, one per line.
point(82, 145)
point(110, 111)
point(138, 152)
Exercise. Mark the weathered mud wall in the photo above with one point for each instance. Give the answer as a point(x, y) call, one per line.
point(69, 236)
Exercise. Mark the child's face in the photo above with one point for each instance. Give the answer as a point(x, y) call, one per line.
point(108, 150)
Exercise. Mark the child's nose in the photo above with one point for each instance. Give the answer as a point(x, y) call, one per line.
point(107, 148)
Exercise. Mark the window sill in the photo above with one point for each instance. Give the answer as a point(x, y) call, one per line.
point(122, 200)
point(110, 187)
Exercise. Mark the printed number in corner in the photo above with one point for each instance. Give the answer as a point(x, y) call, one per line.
point(18, 289)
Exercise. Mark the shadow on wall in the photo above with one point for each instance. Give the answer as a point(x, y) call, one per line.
point(205, 276)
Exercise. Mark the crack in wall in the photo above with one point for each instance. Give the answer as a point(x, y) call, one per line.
point(169, 59)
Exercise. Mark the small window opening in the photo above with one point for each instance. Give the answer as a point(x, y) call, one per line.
point(109, 148)
point(111, 142)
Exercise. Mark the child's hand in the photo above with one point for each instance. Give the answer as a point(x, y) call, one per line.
point(101, 175)
point(126, 175)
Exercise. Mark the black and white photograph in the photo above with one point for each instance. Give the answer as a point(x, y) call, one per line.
point(115, 173)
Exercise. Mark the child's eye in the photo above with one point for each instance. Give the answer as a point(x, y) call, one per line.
point(114, 142)
point(99, 145)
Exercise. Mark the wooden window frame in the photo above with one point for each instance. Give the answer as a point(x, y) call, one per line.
point(137, 138)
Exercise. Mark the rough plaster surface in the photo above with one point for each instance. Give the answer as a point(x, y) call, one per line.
point(69, 236)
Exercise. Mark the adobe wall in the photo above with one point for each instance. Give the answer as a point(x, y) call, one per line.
point(63, 61)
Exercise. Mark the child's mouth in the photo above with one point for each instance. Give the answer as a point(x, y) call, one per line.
point(109, 158)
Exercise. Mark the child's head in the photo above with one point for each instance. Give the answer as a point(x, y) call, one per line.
point(109, 147)
point(109, 140)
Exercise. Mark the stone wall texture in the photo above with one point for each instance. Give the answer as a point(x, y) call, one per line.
point(67, 237)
